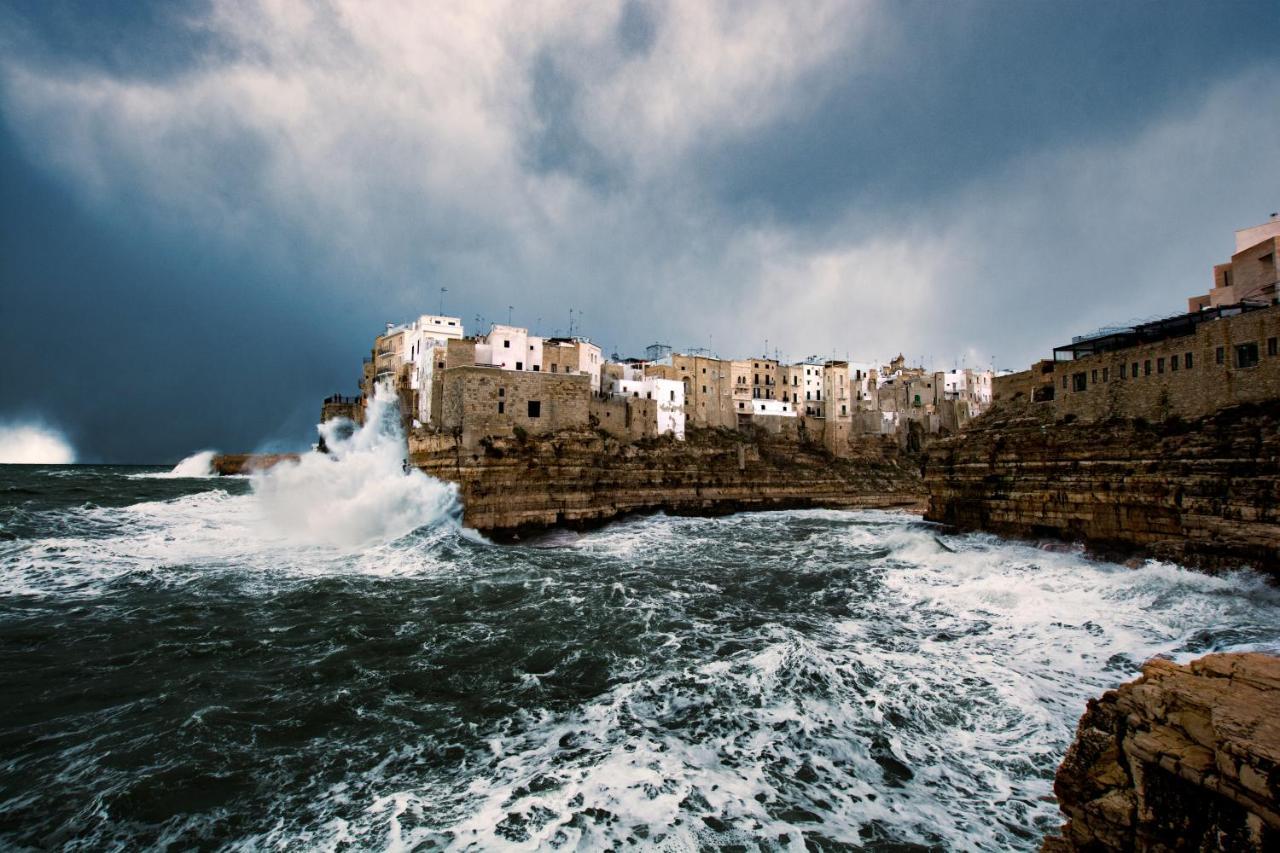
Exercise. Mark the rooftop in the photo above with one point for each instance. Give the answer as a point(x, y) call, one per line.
point(1118, 338)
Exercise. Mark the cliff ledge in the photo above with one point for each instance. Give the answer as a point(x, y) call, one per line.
point(1183, 758)
point(580, 478)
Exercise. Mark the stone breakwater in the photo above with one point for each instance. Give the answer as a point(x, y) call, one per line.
point(581, 478)
point(1184, 758)
point(1203, 493)
point(231, 464)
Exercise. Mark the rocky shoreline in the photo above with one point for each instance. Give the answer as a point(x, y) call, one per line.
point(1183, 758)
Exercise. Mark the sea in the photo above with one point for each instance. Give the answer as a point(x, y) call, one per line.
point(323, 657)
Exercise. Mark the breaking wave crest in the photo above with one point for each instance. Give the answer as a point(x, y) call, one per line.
point(360, 492)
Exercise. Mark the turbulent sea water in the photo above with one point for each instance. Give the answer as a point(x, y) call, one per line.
point(323, 658)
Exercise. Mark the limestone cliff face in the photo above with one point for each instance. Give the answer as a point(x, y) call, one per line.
point(1184, 758)
point(582, 477)
point(1204, 492)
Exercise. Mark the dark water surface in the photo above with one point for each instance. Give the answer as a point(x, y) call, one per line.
point(321, 660)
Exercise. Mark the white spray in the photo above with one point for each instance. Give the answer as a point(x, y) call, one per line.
point(359, 493)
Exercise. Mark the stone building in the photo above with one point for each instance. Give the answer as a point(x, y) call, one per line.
point(1251, 274)
point(708, 389)
point(1186, 366)
point(480, 401)
point(573, 355)
point(765, 379)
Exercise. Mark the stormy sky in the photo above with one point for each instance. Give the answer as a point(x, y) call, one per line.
point(208, 209)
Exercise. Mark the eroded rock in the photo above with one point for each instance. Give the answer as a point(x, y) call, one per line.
point(1184, 758)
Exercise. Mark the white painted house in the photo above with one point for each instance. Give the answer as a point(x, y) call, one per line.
point(510, 347)
point(773, 407)
point(668, 393)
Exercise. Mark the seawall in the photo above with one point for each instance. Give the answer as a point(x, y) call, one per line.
point(1184, 758)
point(230, 464)
point(580, 478)
point(1203, 492)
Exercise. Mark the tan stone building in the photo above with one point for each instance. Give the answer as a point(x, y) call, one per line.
point(708, 390)
point(487, 401)
point(1250, 275)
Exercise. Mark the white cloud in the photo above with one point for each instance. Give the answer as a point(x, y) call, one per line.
point(34, 444)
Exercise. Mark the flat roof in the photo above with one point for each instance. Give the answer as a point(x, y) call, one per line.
point(1177, 326)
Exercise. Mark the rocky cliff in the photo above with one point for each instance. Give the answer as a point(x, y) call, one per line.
point(581, 477)
point(1184, 758)
point(1203, 492)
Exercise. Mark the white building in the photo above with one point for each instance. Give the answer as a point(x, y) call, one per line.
point(418, 345)
point(812, 382)
point(667, 393)
point(510, 347)
point(968, 384)
point(773, 407)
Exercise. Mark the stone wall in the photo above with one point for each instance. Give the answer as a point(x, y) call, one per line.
point(1202, 492)
point(1189, 376)
point(625, 418)
point(1184, 758)
point(479, 402)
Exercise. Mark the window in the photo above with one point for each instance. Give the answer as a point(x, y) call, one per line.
point(704, 370)
point(1173, 364)
point(704, 389)
point(502, 392)
point(1079, 381)
point(1160, 365)
point(506, 344)
point(553, 368)
point(535, 408)
point(844, 410)
point(1146, 367)
point(1271, 346)
point(440, 365)
point(1093, 377)
point(1220, 355)
point(502, 407)
point(1106, 371)
point(1135, 370)
point(1064, 383)
point(519, 365)
point(1247, 354)
point(673, 396)
point(1186, 361)
point(537, 368)
point(1124, 371)
point(530, 347)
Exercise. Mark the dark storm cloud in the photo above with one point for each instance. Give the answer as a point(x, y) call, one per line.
point(966, 87)
point(209, 209)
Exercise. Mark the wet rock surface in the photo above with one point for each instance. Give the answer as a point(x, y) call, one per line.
point(1183, 758)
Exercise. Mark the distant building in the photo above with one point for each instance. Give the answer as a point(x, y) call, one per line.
point(1251, 274)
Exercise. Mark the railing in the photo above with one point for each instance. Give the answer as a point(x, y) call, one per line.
point(338, 399)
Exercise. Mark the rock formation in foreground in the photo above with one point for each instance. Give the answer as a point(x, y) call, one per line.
point(1203, 492)
point(1184, 758)
point(584, 477)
